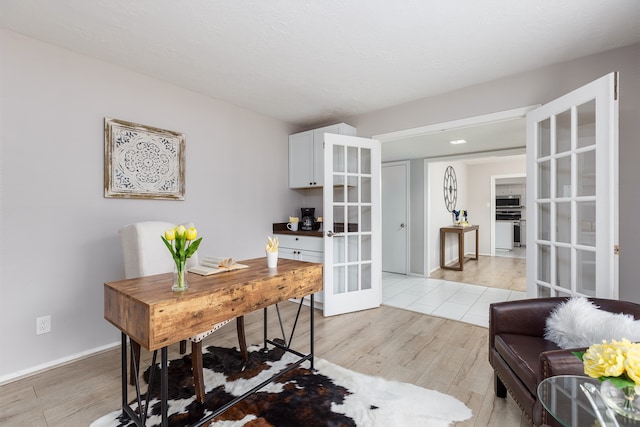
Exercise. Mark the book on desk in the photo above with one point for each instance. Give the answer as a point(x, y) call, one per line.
point(213, 265)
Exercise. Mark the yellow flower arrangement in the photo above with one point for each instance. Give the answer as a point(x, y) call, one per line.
point(617, 361)
point(183, 247)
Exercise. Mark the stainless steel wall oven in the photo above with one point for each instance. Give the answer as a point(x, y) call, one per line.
point(509, 209)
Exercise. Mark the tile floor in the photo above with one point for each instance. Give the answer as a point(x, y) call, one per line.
point(437, 297)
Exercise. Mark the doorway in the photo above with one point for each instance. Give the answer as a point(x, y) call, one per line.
point(491, 139)
point(476, 194)
point(509, 215)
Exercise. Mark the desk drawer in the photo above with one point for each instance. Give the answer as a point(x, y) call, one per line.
point(301, 242)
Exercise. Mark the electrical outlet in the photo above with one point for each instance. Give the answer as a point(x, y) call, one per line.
point(43, 325)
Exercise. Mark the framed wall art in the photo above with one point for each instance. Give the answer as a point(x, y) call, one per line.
point(142, 162)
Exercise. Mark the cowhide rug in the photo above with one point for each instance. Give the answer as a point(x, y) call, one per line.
point(327, 396)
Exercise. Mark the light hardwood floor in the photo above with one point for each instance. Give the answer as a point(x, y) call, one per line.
point(494, 272)
point(396, 344)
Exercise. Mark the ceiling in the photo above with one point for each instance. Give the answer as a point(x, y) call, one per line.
point(492, 139)
point(313, 62)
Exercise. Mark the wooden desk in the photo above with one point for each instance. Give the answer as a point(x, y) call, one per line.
point(460, 231)
point(146, 310)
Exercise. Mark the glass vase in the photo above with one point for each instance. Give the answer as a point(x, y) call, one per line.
point(624, 401)
point(180, 277)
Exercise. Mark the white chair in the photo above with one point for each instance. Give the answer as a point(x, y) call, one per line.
point(144, 255)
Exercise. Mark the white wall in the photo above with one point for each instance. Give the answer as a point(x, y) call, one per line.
point(59, 239)
point(539, 87)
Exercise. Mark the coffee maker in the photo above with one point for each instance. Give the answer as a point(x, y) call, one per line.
point(308, 218)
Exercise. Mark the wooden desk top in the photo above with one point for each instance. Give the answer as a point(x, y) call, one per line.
point(152, 314)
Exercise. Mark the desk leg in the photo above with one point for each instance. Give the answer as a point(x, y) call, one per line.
point(124, 372)
point(164, 385)
point(264, 319)
point(311, 331)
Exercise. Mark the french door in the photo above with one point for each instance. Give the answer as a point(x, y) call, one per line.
point(572, 193)
point(352, 224)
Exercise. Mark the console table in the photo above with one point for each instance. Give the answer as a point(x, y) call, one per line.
point(460, 231)
point(146, 310)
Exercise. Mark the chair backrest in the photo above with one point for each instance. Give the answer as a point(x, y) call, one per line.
point(143, 251)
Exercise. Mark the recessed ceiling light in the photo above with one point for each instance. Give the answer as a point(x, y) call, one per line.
point(458, 141)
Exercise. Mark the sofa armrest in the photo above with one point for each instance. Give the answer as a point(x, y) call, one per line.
point(560, 362)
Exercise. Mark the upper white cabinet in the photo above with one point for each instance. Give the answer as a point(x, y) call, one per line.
point(306, 158)
point(510, 190)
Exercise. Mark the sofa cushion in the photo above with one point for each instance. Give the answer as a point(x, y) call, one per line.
point(522, 354)
point(578, 322)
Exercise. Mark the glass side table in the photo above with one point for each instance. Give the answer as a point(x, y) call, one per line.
point(563, 398)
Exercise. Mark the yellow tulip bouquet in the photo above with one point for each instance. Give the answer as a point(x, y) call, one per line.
point(183, 247)
point(618, 362)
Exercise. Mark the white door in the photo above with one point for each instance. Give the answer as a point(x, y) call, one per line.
point(395, 200)
point(352, 224)
point(572, 185)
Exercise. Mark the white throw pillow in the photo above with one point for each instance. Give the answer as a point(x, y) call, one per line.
point(578, 322)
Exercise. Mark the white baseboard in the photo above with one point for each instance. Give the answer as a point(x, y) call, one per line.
point(14, 376)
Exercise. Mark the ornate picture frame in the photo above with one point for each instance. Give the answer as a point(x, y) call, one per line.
point(142, 162)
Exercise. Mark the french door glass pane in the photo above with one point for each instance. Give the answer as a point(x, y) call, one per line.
point(586, 164)
point(366, 247)
point(563, 267)
point(365, 189)
point(544, 263)
point(586, 272)
point(353, 189)
point(365, 219)
point(563, 132)
point(365, 161)
point(339, 285)
point(563, 176)
point(352, 159)
point(352, 278)
point(587, 124)
point(544, 138)
point(352, 242)
point(563, 222)
point(366, 282)
point(586, 223)
point(338, 158)
point(338, 250)
point(544, 179)
point(338, 218)
point(338, 189)
point(544, 221)
point(353, 217)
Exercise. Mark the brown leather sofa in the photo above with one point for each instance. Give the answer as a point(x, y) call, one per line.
point(520, 356)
